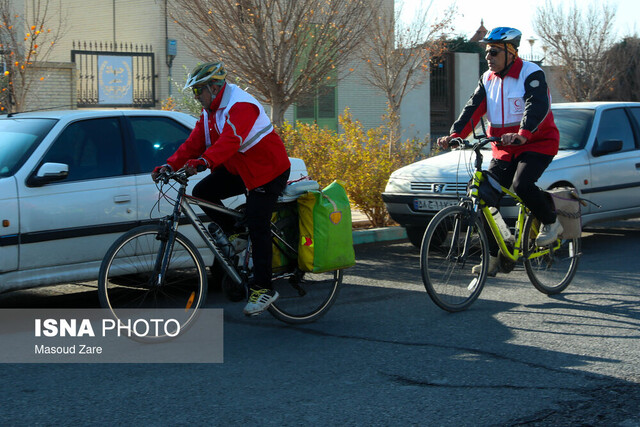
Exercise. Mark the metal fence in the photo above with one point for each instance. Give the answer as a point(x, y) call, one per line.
point(114, 75)
point(442, 81)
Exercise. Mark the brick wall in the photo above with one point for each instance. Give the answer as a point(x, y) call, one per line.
point(139, 22)
point(143, 22)
point(53, 86)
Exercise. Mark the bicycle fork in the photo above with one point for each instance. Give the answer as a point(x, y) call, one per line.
point(167, 238)
point(455, 241)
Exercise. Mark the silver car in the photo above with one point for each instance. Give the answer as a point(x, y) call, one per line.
point(599, 156)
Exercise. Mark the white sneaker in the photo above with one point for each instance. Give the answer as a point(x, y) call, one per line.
point(494, 266)
point(549, 233)
point(259, 301)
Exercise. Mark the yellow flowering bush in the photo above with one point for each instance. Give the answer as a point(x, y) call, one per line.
point(363, 159)
point(169, 104)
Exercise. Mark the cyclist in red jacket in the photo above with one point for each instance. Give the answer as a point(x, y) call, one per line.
point(515, 98)
point(235, 139)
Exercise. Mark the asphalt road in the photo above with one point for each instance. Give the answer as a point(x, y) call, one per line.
point(383, 355)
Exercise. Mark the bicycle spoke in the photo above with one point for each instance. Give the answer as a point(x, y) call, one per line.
point(305, 296)
point(549, 269)
point(453, 244)
point(129, 277)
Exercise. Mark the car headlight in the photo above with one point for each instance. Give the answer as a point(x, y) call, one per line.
point(397, 185)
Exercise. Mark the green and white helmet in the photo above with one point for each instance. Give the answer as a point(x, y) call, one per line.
point(204, 73)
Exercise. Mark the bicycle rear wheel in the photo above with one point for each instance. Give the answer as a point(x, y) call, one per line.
point(304, 297)
point(550, 269)
point(129, 282)
point(444, 264)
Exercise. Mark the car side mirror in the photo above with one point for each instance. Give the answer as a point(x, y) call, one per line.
point(47, 173)
point(606, 147)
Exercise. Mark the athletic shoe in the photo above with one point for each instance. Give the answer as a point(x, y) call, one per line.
point(549, 233)
point(259, 301)
point(494, 266)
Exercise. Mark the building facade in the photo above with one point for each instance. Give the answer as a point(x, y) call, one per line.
point(104, 40)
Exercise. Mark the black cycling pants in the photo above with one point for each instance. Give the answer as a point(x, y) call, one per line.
point(261, 202)
point(522, 173)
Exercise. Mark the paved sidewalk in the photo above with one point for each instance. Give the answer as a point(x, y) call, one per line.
point(372, 235)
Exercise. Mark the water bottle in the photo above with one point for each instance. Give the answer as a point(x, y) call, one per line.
point(221, 240)
point(238, 242)
point(502, 226)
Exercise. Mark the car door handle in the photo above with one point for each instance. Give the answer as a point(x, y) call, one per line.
point(122, 199)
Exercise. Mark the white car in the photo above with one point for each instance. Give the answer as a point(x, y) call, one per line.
point(599, 156)
point(71, 182)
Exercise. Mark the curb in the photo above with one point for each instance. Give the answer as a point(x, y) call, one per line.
point(374, 235)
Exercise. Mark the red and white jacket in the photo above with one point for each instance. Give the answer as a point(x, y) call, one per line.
point(519, 102)
point(236, 133)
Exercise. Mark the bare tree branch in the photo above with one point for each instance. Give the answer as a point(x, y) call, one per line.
point(283, 49)
point(23, 41)
point(397, 55)
point(624, 58)
point(578, 42)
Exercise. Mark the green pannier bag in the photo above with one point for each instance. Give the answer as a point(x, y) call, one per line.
point(326, 235)
point(286, 219)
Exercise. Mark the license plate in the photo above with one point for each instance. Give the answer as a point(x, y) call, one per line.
point(432, 204)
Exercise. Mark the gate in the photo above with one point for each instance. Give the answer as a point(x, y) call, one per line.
point(442, 103)
point(114, 76)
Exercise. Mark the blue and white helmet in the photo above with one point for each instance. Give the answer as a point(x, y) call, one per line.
point(504, 35)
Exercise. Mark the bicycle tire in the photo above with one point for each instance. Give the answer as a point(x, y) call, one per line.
point(448, 279)
point(304, 297)
point(126, 282)
point(550, 273)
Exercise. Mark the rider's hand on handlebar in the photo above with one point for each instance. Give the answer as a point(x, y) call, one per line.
point(193, 166)
point(159, 170)
point(513, 139)
point(443, 142)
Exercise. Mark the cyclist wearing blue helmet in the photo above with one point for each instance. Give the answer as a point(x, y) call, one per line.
point(514, 96)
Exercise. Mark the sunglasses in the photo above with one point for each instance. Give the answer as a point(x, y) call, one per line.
point(197, 90)
point(492, 52)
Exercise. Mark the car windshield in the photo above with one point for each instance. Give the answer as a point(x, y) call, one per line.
point(574, 126)
point(18, 139)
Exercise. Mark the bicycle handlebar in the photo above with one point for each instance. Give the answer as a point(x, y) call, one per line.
point(180, 176)
point(475, 147)
point(457, 142)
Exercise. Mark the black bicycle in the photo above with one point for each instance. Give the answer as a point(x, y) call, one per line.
point(157, 267)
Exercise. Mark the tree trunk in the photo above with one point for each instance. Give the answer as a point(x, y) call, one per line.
point(277, 113)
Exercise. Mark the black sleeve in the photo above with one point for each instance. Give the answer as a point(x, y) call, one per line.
point(536, 101)
point(473, 111)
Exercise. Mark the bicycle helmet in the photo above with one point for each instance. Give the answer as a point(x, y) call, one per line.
point(504, 35)
point(204, 73)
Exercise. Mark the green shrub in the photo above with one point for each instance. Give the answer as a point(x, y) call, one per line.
point(363, 159)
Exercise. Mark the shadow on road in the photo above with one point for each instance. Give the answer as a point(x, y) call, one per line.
point(383, 355)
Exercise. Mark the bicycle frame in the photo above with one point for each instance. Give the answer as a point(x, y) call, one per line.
point(183, 205)
point(522, 215)
point(456, 255)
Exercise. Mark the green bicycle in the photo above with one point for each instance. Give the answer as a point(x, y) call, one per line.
point(455, 241)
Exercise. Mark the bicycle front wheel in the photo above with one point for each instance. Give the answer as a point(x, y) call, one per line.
point(552, 268)
point(130, 280)
point(304, 297)
point(454, 242)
